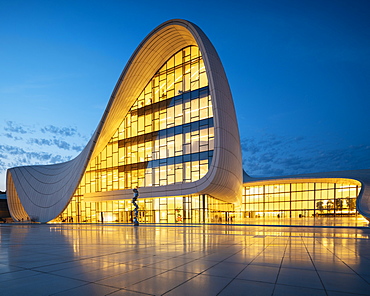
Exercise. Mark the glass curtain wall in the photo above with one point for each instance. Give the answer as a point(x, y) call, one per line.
point(293, 200)
point(177, 209)
point(299, 200)
point(166, 137)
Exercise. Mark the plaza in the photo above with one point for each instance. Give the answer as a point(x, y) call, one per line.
point(188, 259)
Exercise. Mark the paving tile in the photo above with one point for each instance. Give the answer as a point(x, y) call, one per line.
point(5, 268)
point(332, 266)
point(344, 282)
point(90, 289)
point(197, 266)
point(297, 263)
point(17, 275)
point(361, 268)
point(259, 273)
point(366, 278)
point(129, 278)
point(161, 283)
point(170, 263)
point(303, 278)
point(284, 290)
point(58, 266)
point(41, 284)
point(100, 274)
point(225, 269)
point(335, 293)
point(267, 260)
point(200, 285)
point(240, 258)
point(242, 287)
point(126, 292)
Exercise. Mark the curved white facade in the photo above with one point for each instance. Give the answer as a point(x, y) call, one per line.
point(42, 192)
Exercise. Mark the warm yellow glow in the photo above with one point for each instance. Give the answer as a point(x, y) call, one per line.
point(305, 199)
point(122, 163)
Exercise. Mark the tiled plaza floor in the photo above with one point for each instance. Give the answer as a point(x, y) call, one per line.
point(183, 260)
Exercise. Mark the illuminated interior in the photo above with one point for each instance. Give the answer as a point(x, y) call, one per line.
point(301, 200)
point(167, 137)
point(272, 201)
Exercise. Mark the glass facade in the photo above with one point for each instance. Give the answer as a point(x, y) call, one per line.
point(166, 137)
point(290, 200)
point(177, 209)
point(301, 200)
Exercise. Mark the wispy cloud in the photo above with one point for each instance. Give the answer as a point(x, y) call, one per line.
point(277, 156)
point(50, 142)
point(11, 136)
point(61, 144)
point(18, 156)
point(11, 150)
point(62, 131)
point(77, 148)
point(12, 127)
point(24, 145)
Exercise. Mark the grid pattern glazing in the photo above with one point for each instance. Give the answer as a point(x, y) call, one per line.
point(292, 200)
point(166, 137)
point(299, 200)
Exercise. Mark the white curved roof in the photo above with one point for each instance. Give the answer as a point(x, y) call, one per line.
point(42, 192)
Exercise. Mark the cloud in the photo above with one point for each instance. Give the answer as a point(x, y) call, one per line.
point(11, 136)
point(17, 156)
point(20, 153)
point(77, 148)
point(277, 156)
point(61, 144)
point(21, 145)
point(12, 150)
point(64, 131)
point(14, 128)
point(40, 142)
point(59, 158)
point(250, 146)
point(50, 142)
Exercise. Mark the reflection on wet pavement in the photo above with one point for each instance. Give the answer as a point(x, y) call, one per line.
point(119, 259)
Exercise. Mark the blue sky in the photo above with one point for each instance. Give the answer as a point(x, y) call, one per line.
point(299, 72)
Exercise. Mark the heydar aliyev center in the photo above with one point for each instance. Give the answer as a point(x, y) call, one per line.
point(170, 130)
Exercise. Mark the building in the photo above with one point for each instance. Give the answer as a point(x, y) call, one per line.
point(4, 210)
point(170, 129)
